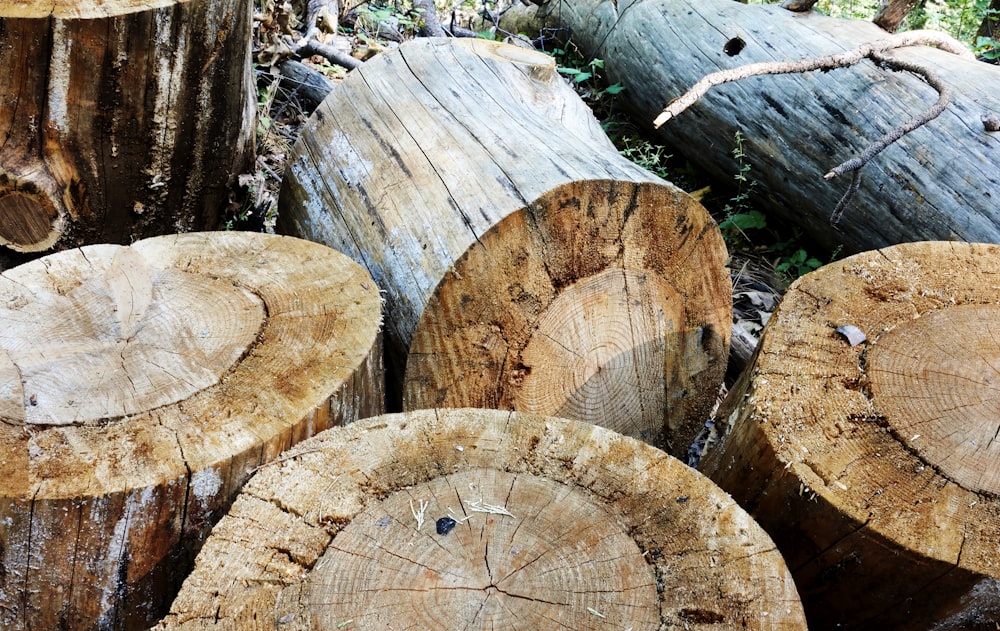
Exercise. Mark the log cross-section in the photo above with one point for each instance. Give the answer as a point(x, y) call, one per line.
point(864, 438)
point(481, 519)
point(527, 265)
point(140, 386)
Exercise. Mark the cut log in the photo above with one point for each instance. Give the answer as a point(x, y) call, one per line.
point(120, 120)
point(863, 439)
point(939, 182)
point(482, 519)
point(141, 387)
point(526, 264)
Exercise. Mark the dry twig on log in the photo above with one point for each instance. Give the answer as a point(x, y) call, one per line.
point(872, 50)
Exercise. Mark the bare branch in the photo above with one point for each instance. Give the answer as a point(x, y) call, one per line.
point(828, 62)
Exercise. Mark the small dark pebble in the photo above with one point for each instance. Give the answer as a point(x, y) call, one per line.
point(445, 525)
point(682, 499)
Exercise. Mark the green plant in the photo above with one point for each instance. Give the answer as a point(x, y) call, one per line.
point(646, 154)
point(739, 217)
point(587, 76)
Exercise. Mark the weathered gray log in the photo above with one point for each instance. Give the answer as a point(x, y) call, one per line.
point(939, 182)
point(527, 265)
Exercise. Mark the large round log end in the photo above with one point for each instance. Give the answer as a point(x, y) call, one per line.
point(572, 308)
point(864, 437)
point(141, 386)
point(482, 519)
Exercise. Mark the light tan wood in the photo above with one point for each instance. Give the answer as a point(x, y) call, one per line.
point(120, 119)
point(526, 264)
point(141, 387)
point(557, 525)
point(874, 466)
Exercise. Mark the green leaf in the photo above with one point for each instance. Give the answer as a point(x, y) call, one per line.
point(617, 88)
point(745, 221)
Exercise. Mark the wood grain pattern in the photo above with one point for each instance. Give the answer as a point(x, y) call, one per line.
point(144, 385)
point(874, 466)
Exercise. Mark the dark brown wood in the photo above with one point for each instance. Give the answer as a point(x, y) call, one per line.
point(938, 182)
point(120, 120)
point(892, 13)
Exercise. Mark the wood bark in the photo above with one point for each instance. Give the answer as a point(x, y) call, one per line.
point(874, 466)
point(141, 387)
point(892, 13)
point(526, 264)
point(937, 182)
point(120, 120)
point(482, 519)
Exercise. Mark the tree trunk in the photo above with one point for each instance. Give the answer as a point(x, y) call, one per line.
point(142, 386)
point(874, 466)
point(990, 26)
point(938, 182)
point(120, 120)
point(526, 264)
point(481, 519)
point(892, 13)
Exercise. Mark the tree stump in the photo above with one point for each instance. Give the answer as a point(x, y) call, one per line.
point(141, 387)
point(120, 120)
point(526, 264)
point(483, 519)
point(938, 182)
point(873, 465)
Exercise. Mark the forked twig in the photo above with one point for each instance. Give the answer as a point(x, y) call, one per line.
point(872, 50)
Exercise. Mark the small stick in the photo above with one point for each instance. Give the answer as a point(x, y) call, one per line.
point(418, 513)
point(828, 62)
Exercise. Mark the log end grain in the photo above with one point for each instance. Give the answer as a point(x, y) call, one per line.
point(482, 519)
point(142, 386)
point(872, 462)
point(602, 301)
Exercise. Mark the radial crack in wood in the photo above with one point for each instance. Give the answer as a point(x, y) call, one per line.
point(527, 265)
point(874, 465)
point(482, 519)
point(140, 387)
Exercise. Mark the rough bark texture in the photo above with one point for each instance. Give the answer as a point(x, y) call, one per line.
point(874, 466)
point(938, 182)
point(526, 264)
point(892, 13)
point(120, 120)
point(141, 387)
point(482, 519)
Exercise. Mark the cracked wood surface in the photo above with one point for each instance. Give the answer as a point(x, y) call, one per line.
point(483, 519)
point(937, 182)
point(120, 119)
point(526, 264)
point(874, 466)
point(141, 387)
